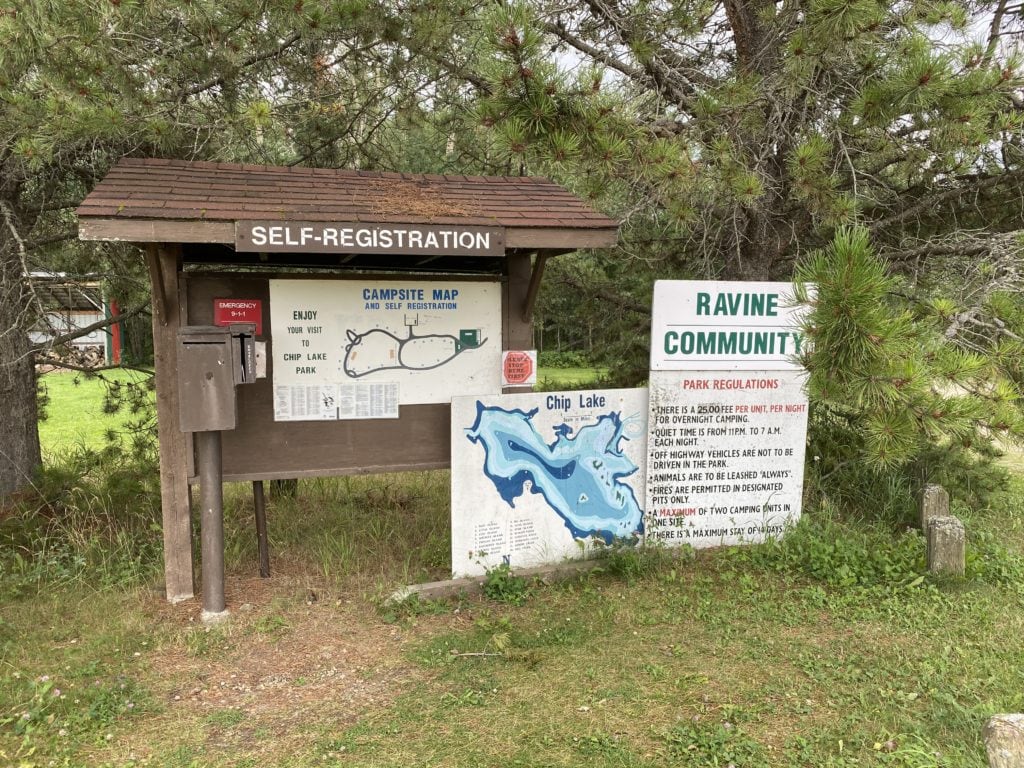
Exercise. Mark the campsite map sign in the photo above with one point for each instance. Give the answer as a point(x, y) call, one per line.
point(728, 413)
point(354, 349)
point(539, 477)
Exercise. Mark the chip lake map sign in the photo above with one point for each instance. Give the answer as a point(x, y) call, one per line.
point(537, 477)
point(728, 413)
point(354, 349)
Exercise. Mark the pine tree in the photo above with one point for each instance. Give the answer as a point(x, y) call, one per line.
point(84, 83)
point(743, 134)
point(734, 138)
point(887, 383)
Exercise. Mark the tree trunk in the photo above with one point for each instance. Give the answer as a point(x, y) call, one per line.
point(19, 434)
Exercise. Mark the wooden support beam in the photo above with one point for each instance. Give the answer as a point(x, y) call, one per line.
point(168, 311)
point(517, 333)
point(531, 292)
point(156, 279)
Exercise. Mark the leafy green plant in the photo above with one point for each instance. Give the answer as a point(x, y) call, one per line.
point(501, 584)
point(714, 744)
point(563, 359)
point(207, 641)
point(632, 562)
point(46, 705)
point(839, 554)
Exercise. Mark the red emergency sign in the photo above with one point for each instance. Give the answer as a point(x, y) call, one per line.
point(228, 311)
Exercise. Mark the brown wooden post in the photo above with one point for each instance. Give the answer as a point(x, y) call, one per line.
point(164, 262)
point(517, 332)
point(259, 504)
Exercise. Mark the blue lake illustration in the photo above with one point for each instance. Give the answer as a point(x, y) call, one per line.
point(579, 475)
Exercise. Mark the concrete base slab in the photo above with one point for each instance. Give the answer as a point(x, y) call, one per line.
point(436, 590)
point(214, 617)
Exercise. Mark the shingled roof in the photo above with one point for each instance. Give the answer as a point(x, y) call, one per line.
point(144, 199)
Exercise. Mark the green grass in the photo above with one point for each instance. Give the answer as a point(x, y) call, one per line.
point(831, 648)
point(552, 378)
point(74, 411)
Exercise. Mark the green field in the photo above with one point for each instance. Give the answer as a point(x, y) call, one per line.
point(74, 409)
point(833, 648)
point(550, 378)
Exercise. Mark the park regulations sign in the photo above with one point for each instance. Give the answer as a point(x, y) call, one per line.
point(538, 478)
point(358, 349)
point(728, 413)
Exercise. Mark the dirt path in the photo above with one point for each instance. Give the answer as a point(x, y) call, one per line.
point(289, 667)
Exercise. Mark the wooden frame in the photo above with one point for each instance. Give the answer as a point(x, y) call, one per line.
point(531, 221)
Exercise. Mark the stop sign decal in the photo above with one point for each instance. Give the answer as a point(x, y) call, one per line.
point(518, 368)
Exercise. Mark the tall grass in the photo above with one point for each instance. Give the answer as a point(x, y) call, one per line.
point(391, 528)
point(91, 517)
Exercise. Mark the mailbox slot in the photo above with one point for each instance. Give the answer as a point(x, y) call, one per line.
point(243, 342)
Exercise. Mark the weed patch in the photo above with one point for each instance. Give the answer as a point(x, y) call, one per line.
point(501, 584)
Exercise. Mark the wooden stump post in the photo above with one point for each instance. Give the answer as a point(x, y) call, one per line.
point(947, 546)
point(934, 502)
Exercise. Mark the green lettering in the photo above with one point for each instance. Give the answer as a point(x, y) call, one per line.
point(671, 342)
point(727, 342)
point(773, 304)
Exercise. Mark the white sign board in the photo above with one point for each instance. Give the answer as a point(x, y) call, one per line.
point(538, 477)
point(728, 413)
point(352, 349)
point(703, 325)
point(725, 457)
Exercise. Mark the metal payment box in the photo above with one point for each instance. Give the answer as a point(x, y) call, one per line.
point(212, 361)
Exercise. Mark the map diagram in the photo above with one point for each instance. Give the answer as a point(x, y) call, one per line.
point(379, 349)
point(539, 478)
point(580, 475)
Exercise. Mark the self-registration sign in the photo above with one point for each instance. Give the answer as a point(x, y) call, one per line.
point(710, 325)
point(350, 237)
point(728, 413)
point(357, 349)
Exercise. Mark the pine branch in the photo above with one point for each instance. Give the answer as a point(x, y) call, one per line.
point(563, 34)
point(249, 61)
point(623, 302)
point(667, 83)
point(933, 201)
point(63, 237)
point(994, 33)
